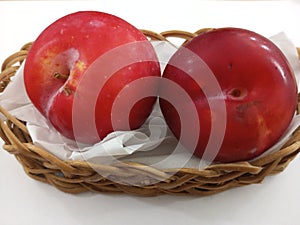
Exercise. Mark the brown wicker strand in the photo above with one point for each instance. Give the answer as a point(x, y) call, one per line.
point(15, 121)
point(17, 57)
point(178, 34)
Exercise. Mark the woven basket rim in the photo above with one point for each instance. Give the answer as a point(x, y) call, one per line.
point(79, 176)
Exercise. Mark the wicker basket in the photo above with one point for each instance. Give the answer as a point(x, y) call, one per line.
point(79, 176)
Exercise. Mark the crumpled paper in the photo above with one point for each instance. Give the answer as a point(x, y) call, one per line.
point(152, 144)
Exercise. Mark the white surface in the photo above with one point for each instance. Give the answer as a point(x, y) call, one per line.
point(25, 201)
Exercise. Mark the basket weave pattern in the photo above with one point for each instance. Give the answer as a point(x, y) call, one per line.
point(79, 176)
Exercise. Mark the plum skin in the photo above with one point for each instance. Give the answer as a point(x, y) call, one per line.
point(258, 88)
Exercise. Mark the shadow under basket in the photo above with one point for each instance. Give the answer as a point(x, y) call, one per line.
point(79, 176)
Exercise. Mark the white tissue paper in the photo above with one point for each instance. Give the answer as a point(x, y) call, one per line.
point(156, 148)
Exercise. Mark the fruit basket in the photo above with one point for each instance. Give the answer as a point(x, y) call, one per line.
point(79, 176)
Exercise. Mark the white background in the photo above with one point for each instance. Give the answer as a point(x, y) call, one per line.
point(25, 201)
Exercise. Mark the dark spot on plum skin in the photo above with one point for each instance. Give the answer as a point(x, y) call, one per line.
point(242, 109)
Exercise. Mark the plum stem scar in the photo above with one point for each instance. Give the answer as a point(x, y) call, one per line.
point(67, 91)
point(61, 76)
